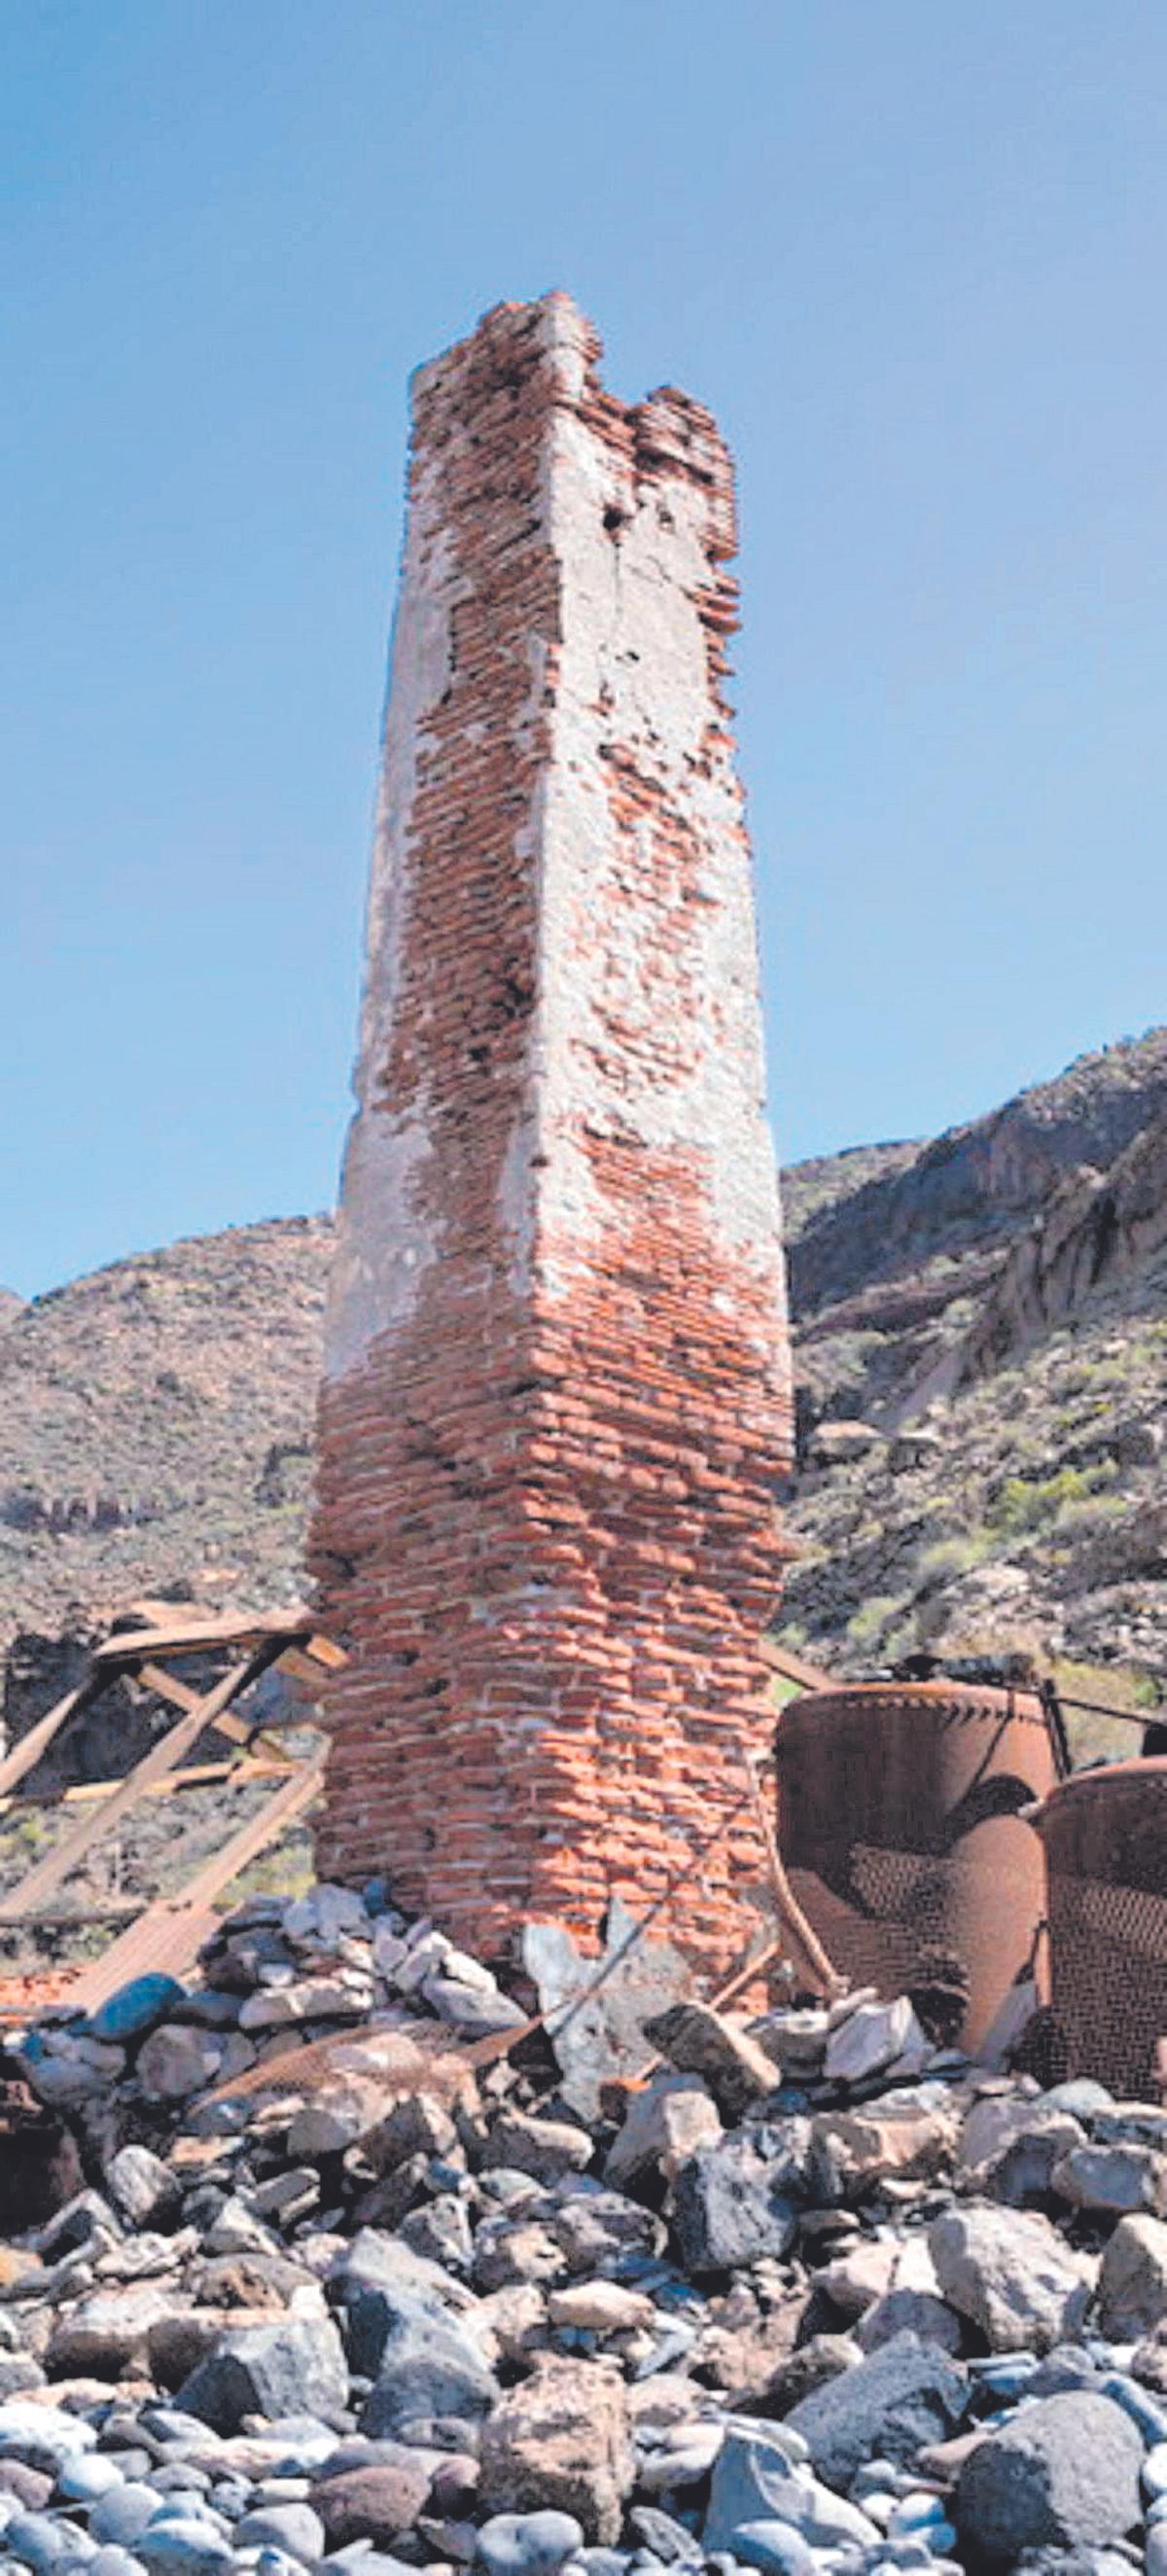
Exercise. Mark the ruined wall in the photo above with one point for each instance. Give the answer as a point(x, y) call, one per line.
point(556, 1396)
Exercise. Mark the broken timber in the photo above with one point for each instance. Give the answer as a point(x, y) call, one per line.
point(167, 1933)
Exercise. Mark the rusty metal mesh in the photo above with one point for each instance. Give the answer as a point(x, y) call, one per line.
point(1108, 1968)
point(905, 1903)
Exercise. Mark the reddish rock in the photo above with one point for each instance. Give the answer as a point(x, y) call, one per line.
point(376, 2503)
point(561, 2439)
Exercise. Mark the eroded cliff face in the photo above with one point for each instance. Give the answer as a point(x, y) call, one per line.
point(1007, 1488)
point(1102, 1232)
point(980, 1185)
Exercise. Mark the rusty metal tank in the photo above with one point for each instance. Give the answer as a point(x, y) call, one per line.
point(1105, 1838)
point(901, 1824)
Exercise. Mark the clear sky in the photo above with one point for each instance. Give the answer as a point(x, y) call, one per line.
point(911, 252)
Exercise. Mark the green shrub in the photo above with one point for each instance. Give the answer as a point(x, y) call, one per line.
point(870, 1623)
point(1026, 1503)
point(948, 1558)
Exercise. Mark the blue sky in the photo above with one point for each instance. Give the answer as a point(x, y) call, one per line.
point(911, 254)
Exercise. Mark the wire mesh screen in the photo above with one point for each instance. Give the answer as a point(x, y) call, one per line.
point(903, 1821)
point(906, 1904)
point(1105, 1837)
point(1108, 1969)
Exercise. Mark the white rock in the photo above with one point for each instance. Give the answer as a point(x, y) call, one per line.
point(324, 1914)
point(177, 2060)
point(601, 2307)
point(874, 2038)
point(667, 2122)
point(1009, 2271)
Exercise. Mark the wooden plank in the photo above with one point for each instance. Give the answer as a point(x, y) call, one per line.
point(160, 1618)
point(296, 1661)
point(163, 1757)
point(239, 1769)
point(324, 1650)
point(28, 1751)
point(168, 1686)
point(794, 1668)
point(178, 1636)
point(171, 1932)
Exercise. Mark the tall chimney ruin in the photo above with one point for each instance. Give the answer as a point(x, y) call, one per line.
point(556, 1401)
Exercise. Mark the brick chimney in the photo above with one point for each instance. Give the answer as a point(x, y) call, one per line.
point(556, 1399)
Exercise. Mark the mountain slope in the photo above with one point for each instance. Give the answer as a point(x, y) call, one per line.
point(991, 1305)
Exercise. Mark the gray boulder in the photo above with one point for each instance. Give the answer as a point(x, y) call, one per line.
point(1117, 2182)
point(1009, 2272)
point(729, 2208)
point(1063, 2472)
point(427, 2367)
point(545, 2149)
point(1132, 2283)
point(294, 2368)
point(909, 2311)
point(897, 2399)
point(756, 2481)
point(290, 2527)
point(668, 2122)
point(697, 2040)
point(143, 2188)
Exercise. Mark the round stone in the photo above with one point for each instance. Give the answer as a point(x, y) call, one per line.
point(528, 2544)
point(186, 2543)
point(913, 2512)
point(120, 2515)
point(774, 2547)
point(42, 2543)
point(87, 2476)
point(294, 2528)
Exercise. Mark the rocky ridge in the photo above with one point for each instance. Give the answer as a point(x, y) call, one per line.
point(982, 1344)
point(301, 2272)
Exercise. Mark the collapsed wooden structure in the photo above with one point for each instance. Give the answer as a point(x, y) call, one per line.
point(164, 1933)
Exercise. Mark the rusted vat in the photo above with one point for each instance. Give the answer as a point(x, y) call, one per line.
point(902, 1826)
point(1105, 1839)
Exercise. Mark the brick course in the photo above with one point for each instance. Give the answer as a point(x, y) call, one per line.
point(556, 1396)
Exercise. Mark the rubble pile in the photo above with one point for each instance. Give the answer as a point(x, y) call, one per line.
point(335, 2284)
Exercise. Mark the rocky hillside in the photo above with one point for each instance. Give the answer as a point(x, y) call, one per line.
point(982, 1331)
point(982, 1327)
point(157, 1427)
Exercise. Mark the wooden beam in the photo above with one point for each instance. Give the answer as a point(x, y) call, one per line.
point(303, 1668)
point(167, 1686)
point(163, 1757)
point(324, 1650)
point(180, 1695)
point(794, 1668)
point(192, 1636)
point(171, 1932)
point(27, 1753)
point(198, 1775)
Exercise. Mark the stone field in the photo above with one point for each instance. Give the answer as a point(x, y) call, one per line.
point(320, 2279)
